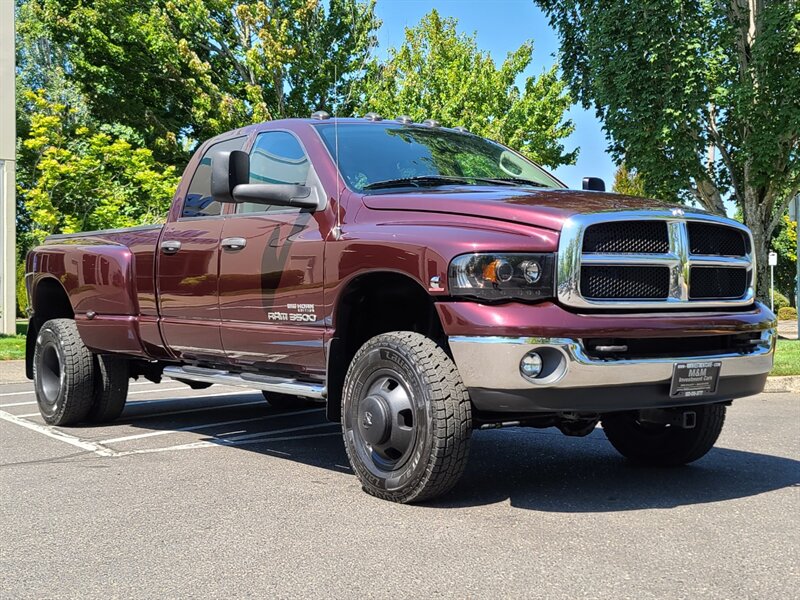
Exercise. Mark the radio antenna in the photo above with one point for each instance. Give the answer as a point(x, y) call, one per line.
point(338, 229)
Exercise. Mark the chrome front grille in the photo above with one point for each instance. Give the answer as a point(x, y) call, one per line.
point(654, 259)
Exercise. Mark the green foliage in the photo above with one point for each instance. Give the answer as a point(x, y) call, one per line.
point(441, 74)
point(787, 313)
point(780, 301)
point(21, 292)
point(628, 182)
point(701, 98)
point(84, 178)
point(784, 243)
point(200, 67)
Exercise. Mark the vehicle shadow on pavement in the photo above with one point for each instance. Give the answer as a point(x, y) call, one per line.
point(532, 469)
point(546, 471)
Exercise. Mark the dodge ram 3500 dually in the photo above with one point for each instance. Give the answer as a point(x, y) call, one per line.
point(421, 282)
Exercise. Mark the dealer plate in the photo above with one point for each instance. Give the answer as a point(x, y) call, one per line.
point(693, 379)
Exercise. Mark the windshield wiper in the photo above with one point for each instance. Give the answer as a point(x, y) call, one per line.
point(510, 181)
point(419, 181)
point(434, 180)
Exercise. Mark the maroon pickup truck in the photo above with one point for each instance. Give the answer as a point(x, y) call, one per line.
point(421, 282)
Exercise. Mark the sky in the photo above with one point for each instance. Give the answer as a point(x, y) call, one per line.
point(501, 26)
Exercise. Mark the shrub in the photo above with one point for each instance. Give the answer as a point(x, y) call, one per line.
point(22, 294)
point(781, 301)
point(787, 313)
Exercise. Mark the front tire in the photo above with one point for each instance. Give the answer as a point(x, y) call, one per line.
point(665, 445)
point(406, 418)
point(63, 373)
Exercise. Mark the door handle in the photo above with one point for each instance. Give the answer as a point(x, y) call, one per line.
point(233, 244)
point(170, 246)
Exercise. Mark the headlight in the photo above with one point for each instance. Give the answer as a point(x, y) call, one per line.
point(502, 276)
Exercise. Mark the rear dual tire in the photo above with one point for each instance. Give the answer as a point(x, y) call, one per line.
point(71, 384)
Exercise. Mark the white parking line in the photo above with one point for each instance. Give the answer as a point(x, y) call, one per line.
point(220, 442)
point(141, 402)
point(128, 418)
point(58, 435)
point(139, 436)
point(15, 393)
point(17, 404)
point(155, 388)
point(172, 389)
point(247, 436)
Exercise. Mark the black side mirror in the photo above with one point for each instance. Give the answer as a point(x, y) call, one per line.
point(228, 169)
point(594, 184)
point(277, 194)
point(230, 183)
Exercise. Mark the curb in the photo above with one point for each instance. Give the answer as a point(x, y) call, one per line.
point(784, 383)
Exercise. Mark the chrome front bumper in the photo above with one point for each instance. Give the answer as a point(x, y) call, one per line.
point(492, 363)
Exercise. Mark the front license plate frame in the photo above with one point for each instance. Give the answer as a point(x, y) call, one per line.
point(695, 379)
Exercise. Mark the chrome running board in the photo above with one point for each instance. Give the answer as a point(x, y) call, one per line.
point(277, 385)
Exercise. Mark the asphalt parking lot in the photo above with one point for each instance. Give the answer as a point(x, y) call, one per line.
point(214, 493)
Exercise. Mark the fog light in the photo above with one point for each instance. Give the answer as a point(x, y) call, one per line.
point(531, 365)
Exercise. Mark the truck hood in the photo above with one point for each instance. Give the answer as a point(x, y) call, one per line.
point(542, 208)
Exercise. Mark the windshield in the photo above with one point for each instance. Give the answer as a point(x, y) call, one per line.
point(390, 155)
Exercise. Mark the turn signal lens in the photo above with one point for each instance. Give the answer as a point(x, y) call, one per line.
point(498, 271)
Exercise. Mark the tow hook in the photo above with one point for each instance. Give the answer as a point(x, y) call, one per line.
point(685, 419)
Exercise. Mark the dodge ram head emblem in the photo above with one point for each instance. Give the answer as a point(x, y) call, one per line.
point(677, 212)
point(367, 419)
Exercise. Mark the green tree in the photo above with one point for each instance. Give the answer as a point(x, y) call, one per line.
point(701, 98)
point(438, 73)
point(83, 178)
point(171, 69)
point(784, 243)
point(630, 183)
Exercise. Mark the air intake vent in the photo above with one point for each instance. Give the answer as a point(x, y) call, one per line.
point(716, 240)
point(630, 283)
point(640, 237)
point(717, 282)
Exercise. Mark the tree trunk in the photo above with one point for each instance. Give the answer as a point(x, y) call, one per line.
point(761, 245)
point(762, 236)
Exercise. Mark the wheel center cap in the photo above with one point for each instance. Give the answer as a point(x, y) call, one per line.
point(373, 420)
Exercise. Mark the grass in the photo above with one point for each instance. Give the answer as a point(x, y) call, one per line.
point(12, 347)
point(787, 356)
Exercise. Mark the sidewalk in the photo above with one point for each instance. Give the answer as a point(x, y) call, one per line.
point(12, 371)
point(787, 329)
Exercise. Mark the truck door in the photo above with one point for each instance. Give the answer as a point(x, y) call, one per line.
point(270, 288)
point(188, 268)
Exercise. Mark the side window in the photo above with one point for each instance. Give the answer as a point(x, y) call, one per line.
point(276, 157)
point(198, 202)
